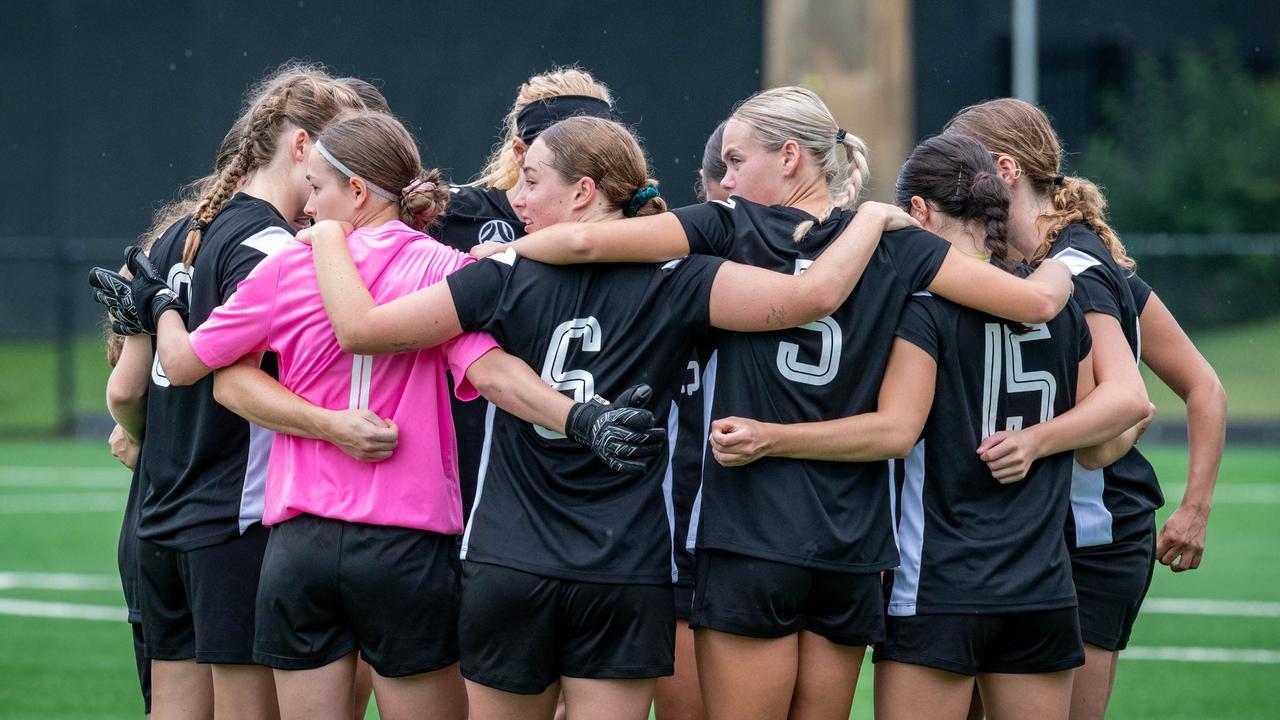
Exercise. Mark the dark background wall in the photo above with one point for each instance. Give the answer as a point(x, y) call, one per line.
point(1087, 47)
point(107, 107)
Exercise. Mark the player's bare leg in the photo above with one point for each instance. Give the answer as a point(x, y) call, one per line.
point(678, 697)
point(746, 678)
point(1044, 696)
point(245, 692)
point(181, 690)
point(438, 695)
point(826, 676)
point(488, 703)
point(361, 689)
point(588, 698)
point(1091, 690)
point(907, 692)
point(321, 693)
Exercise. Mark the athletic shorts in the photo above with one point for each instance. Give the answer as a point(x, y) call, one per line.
point(521, 632)
point(684, 600)
point(760, 598)
point(1030, 642)
point(144, 666)
point(331, 587)
point(1111, 583)
point(199, 603)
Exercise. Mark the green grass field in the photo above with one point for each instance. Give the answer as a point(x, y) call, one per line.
point(1243, 355)
point(60, 507)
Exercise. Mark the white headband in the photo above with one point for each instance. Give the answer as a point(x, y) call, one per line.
point(347, 171)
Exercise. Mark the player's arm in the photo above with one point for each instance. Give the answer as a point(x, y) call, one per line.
point(127, 386)
point(750, 299)
point(1168, 351)
point(173, 344)
point(421, 319)
point(891, 431)
point(620, 434)
point(1108, 407)
point(649, 239)
point(982, 286)
point(259, 398)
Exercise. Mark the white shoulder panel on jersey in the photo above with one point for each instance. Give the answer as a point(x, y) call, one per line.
point(1077, 260)
point(507, 256)
point(671, 264)
point(268, 241)
point(727, 202)
point(922, 293)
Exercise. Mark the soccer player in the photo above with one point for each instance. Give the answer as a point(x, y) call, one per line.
point(388, 582)
point(984, 585)
point(200, 542)
point(1112, 532)
point(678, 697)
point(790, 552)
point(481, 211)
point(567, 573)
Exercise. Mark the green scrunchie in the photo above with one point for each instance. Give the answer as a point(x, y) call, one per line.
point(638, 200)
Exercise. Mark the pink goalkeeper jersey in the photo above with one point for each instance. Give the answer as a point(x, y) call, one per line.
point(278, 308)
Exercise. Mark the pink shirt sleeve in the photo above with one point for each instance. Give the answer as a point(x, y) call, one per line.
point(460, 352)
point(241, 325)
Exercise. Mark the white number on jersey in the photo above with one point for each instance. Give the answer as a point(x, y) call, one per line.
point(579, 383)
point(824, 371)
point(1003, 346)
point(179, 280)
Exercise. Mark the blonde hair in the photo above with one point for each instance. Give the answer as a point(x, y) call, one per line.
point(502, 172)
point(296, 95)
point(378, 148)
point(607, 153)
point(794, 113)
point(1022, 131)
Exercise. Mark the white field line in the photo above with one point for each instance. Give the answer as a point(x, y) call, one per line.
point(62, 611)
point(1202, 655)
point(62, 503)
point(1233, 494)
point(57, 581)
point(38, 476)
point(1217, 608)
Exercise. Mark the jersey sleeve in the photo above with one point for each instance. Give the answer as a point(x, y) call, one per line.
point(688, 288)
point(1095, 288)
point(918, 325)
point(242, 324)
point(916, 254)
point(1085, 338)
point(460, 352)
point(708, 226)
point(477, 289)
point(244, 257)
point(1141, 291)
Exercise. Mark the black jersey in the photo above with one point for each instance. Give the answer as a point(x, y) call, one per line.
point(968, 543)
point(687, 432)
point(474, 215)
point(543, 503)
point(826, 515)
point(202, 465)
point(1141, 294)
point(1118, 500)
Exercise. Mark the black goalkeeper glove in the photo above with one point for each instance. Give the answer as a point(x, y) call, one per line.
point(621, 434)
point(151, 293)
point(112, 290)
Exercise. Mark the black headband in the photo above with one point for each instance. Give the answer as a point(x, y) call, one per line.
point(542, 114)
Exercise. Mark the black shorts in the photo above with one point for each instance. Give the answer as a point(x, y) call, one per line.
point(144, 666)
point(1031, 642)
point(1111, 583)
point(767, 599)
point(199, 603)
point(520, 632)
point(331, 587)
point(684, 601)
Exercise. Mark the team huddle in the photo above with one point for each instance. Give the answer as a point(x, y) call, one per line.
point(725, 449)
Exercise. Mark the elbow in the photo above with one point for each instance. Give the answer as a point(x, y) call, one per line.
point(1090, 459)
point(901, 441)
point(1044, 309)
point(181, 376)
point(823, 303)
point(123, 395)
point(223, 392)
point(579, 244)
point(352, 340)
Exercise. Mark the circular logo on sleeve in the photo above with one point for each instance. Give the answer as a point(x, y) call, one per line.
point(499, 231)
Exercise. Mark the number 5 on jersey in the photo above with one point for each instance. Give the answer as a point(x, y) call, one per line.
point(1003, 346)
point(823, 371)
